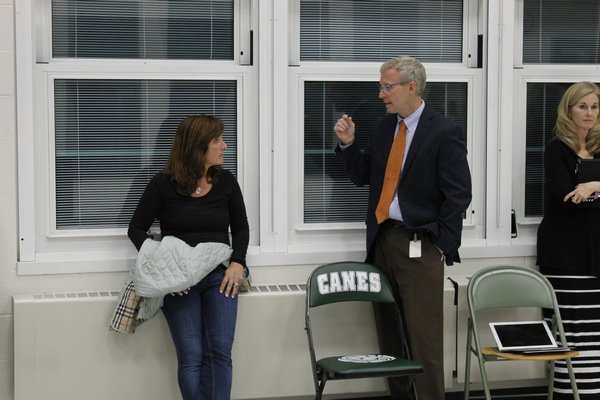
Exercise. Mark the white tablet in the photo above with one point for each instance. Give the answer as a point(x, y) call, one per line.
point(524, 336)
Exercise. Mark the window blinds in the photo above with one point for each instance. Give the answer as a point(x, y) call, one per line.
point(143, 29)
point(375, 30)
point(561, 32)
point(111, 136)
point(329, 196)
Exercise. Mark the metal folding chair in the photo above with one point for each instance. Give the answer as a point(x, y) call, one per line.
point(353, 281)
point(504, 287)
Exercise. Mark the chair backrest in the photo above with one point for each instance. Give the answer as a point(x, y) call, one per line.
point(510, 286)
point(347, 281)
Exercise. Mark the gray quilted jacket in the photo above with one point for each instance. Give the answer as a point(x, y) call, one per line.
point(172, 265)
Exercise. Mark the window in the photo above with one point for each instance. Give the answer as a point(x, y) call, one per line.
point(559, 32)
point(143, 29)
point(377, 30)
point(107, 82)
point(112, 136)
point(560, 45)
point(341, 46)
point(111, 82)
point(542, 103)
point(329, 196)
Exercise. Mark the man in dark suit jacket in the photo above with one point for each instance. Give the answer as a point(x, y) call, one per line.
point(422, 226)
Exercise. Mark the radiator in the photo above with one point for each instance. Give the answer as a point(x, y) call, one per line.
point(64, 350)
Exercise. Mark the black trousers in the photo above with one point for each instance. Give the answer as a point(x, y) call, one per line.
point(419, 285)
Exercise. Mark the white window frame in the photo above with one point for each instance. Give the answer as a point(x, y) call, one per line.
point(527, 226)
point(524, 74)
point(348, 236)
point(44, 250)
point(270, 144)
point(348, 239)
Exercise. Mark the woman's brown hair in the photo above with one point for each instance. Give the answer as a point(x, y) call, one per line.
point(188, 152)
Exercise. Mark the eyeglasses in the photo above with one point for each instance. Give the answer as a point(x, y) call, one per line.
point(387, 86)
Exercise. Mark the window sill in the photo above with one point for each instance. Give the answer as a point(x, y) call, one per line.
point(471, 249)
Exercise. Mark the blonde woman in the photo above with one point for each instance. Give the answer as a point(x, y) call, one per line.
point(568, 246)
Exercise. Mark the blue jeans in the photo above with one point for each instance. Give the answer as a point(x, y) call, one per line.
point(202, 325)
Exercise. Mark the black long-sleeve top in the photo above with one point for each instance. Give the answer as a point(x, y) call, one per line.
point(569, 234)
point(194, 219)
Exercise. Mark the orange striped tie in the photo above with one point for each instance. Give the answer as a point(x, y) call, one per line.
point(393, 170)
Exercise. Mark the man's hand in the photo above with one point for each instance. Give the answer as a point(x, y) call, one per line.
point(344, 129)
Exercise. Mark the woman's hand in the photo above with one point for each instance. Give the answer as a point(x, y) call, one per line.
point(232, 279)
point(582, 192)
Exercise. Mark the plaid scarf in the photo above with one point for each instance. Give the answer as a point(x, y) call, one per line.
point(124, 318)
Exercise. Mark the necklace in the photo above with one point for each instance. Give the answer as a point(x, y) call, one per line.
point(198, 190)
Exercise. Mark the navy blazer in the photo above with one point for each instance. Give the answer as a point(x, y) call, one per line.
point(435, 184)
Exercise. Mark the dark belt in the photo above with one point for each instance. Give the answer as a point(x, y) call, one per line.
point(394, 223)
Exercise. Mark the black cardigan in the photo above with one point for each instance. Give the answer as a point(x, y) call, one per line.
point(569, 234)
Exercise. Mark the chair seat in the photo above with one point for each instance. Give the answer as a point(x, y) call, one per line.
point(355, 366)
point(494, 352)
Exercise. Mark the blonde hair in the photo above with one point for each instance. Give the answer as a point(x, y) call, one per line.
point(565, 128)
point(410, 69)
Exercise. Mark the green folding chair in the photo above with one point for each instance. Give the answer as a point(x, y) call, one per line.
point(505, 287)
point(354, 281)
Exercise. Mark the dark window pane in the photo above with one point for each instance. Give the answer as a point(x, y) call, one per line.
point(329, 196)
point(111, 136)
point(144, 29)
point(375, 30)
point(542, 103)
point(561, 32)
